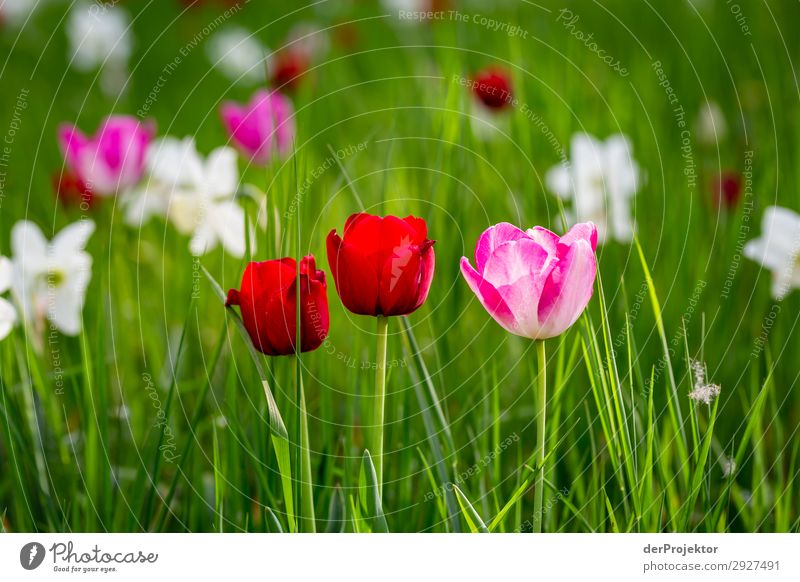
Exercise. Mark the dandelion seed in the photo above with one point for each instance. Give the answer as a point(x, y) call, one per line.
point(703, 391)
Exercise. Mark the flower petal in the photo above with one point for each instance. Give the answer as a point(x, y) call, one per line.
point(582, 231)
point(489, 297)
point(72, 239)
point(355, 277)
point(28, 243)
point(8, 317)
point(6, 274)
point(492, 238)
point(515, 260)
point(568, 289)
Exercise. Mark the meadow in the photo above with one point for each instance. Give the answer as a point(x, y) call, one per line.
point(160, 416)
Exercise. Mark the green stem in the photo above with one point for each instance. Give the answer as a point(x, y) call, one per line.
point(376, 449)
point(541, 406)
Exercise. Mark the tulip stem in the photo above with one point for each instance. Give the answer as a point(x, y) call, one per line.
point(540, 407)
point(380, 396)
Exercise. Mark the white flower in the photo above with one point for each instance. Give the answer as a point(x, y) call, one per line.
point(778, 249)
point(50, 278)
point(309, 40)
point(711, 125)
point(16, 12)
point(171, 165)
point(8, 315)
point(238, 55)
point(601, 178)
point(99, 36)
point(198, 196)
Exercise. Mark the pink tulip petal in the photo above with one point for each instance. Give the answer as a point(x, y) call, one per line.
point(72, 141)
point(512, 261)
point(582, 231)
point(489, 297)
point(546, 238)
point(493, 237)
point(568, 288)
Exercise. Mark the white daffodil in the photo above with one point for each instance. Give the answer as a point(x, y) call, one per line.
point(601, 178)
point(49, 279)
point(239, 55)
point(778, 249)
point(98, 36)
point(711, 126)
point(198, 196)
point(8, 315)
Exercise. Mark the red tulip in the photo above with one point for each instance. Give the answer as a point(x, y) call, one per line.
point(71, 191)
point(382, 266)
point(268, 302)
point(493, 87)
point(289, 68)
point(727, 189)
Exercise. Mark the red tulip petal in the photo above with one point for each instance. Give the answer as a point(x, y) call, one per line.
point(399, 281)
point(355, 277)
point(427, 267)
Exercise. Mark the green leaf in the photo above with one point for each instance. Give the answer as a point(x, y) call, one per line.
point(471, 516)
point(336, 512)
point(369, 496)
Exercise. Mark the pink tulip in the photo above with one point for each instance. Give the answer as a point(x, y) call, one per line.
point(261, 127)
point(113, 159)
point(534, 283)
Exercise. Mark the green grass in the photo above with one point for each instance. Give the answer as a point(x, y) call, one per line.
point(628, 450)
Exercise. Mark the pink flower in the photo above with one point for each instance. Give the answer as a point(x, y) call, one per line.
point(261, 127)
point(532, 282)
point(113, 159)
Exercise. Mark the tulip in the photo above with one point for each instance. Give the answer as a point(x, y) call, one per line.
point(726, 189)
point(70, 191)
point(261, 127)
point(113, 159)
point(492, 87)
point(268, 303)
point(382, 267)
point(535, 284)
point(288, 69)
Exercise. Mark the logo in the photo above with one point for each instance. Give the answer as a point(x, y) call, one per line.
point(31, 555)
